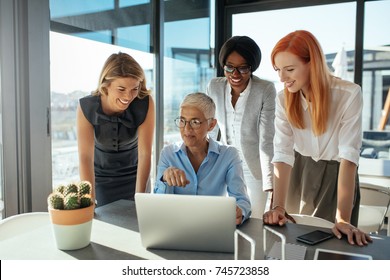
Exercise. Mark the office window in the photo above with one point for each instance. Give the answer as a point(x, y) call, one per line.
point(267, 27)
point(63, 8)
point(187, 57)
point(127, 3)
point(187, 63)
point(122, 23)
point(76, 59)
point(376, 62)
point(135, 37)
point(75, 70)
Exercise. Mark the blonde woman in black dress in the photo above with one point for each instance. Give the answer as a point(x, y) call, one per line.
point(115, 127)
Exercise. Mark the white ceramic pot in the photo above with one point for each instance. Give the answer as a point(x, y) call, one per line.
point(72, 228)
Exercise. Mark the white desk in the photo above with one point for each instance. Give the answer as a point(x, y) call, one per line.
point(115, 236)
point(29, 236)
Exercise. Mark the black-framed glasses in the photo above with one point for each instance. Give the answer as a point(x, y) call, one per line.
point(194, 123)
point(241, 69)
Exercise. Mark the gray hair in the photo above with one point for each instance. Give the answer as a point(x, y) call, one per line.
point(201, 101)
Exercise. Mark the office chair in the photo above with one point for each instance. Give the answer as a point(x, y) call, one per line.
point(374, 205)
point(21, 223)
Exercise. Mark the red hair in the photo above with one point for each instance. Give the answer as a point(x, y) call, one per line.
point(304, 45)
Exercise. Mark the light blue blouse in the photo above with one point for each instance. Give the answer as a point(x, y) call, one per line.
point(219, 174)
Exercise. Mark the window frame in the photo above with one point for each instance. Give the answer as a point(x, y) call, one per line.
point(25, 93)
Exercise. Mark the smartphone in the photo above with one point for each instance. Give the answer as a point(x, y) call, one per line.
point(315, 237)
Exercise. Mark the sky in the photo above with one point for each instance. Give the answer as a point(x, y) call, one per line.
point(80, 61)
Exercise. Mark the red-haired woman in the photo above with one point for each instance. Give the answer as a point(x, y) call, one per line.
point(318, 134)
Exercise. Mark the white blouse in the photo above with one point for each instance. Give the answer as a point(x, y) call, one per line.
point(343, 136)
point(234, 116)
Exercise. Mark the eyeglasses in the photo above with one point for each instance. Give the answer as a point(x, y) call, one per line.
point(194, 123)
point(241, 69)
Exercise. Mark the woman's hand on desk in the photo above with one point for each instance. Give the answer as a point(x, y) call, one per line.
point(238, 215)
point(354, 235)
point(276, 216)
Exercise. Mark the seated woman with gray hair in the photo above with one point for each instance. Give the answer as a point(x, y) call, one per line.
point(200, 165)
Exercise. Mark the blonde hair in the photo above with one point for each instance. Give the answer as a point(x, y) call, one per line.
point(121, 65)
point(304, 45)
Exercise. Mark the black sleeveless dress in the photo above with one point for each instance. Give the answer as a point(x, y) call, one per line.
point(116, 148)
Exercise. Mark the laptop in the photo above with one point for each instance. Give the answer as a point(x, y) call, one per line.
point(186, 222)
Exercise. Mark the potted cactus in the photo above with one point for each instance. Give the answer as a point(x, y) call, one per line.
point(71, 212)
